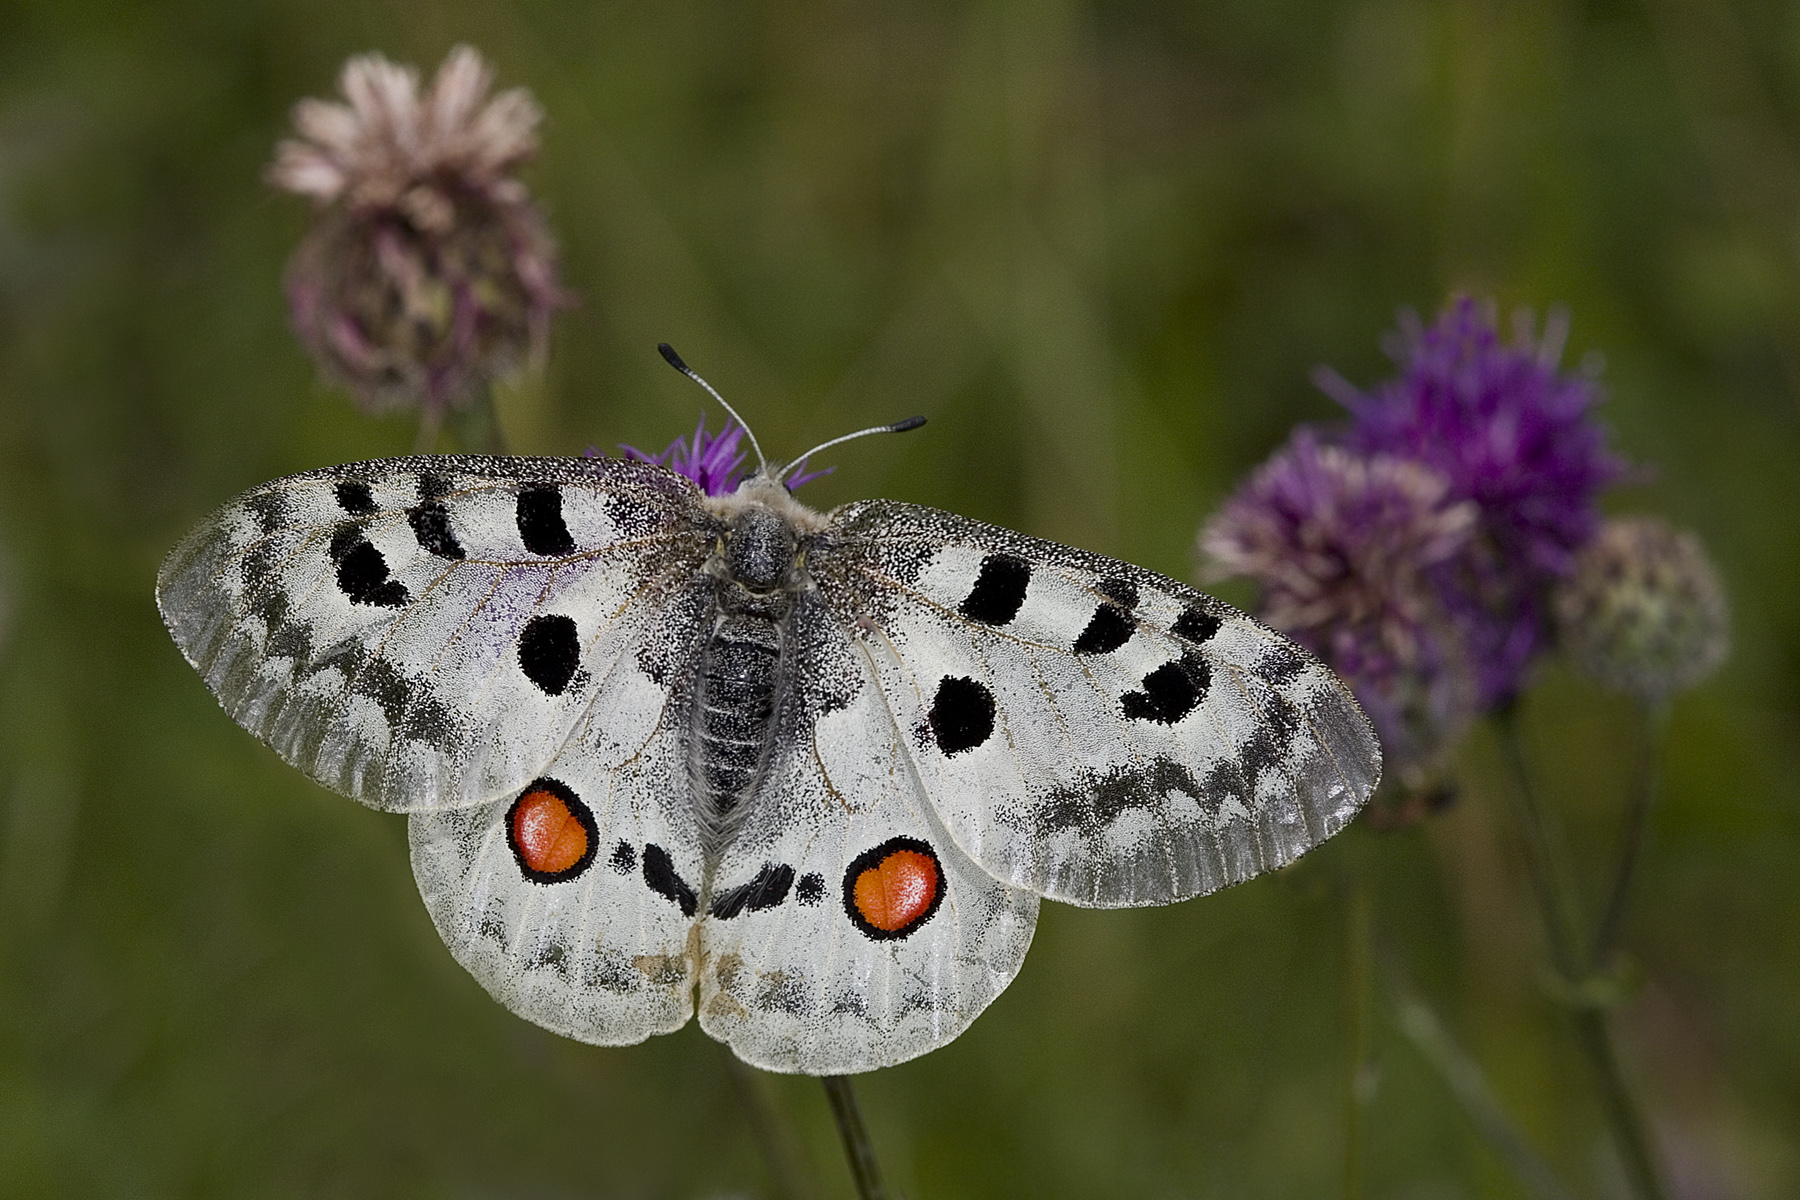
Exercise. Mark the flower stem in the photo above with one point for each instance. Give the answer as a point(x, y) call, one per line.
point(1637, 828)
point(1358, 1071)
point(478, 425)
point(1560, 911)
point(1421, 1025)
point(858, 1150)
point(774, 1136)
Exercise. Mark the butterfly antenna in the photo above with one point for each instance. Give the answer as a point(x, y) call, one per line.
point(896, 427)
point(674, 360)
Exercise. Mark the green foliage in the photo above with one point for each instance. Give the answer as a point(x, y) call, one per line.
point(1100, 247)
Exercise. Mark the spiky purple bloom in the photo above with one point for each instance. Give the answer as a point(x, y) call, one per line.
point(712, 460)
point(1512, 433)
point(1341, 545)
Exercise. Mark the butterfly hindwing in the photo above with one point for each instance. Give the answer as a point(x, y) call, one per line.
point(845, 929)
point(1088, 730)
point(573, 902)
point(424, 633)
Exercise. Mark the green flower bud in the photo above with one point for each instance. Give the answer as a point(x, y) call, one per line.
point(1644, 612)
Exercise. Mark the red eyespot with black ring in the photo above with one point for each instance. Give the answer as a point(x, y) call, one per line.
point(551, 832)
point(894, 888)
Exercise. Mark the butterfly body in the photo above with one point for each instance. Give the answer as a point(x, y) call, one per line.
point(804, 774)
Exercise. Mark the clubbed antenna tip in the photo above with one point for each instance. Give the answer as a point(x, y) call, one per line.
point(674, 360)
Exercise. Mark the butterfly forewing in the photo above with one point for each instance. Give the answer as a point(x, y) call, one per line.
point(1088, 730)
point(424, 633)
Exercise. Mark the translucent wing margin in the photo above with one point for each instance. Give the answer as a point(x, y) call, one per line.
point(424, 633)
point(1088, 730)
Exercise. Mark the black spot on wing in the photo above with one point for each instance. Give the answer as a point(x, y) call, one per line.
point(362, 572)
point(354, 497)
point(549, 652)
point(659, 873)
point(554, 955)
point(541, 523)
point(999, 590)
point(272, 510)
point(1109, 628)
point(1280, 663)
point(1171, 692)
point(768, 889)
point(288, 639)
point(427, 720)
point(433, 487)
point(1195, 625)
point(623, 859)
point(1122, 592)
point(811, 889)
point(431, 526)
point(382, 682)
point(344, 539)
point(962, 714)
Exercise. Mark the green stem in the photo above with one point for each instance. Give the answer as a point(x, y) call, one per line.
point(1421, 1026)
point(1561, 915)
point(431, 425)
point(1557, 903)
point(1637, 830)
point(478, 425)
point(1358, 967)
point(774, 1136)
point(858, 1150)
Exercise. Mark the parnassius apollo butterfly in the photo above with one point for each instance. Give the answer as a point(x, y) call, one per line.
point(819, 767)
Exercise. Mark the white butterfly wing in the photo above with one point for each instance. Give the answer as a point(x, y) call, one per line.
point(424, 633)
point(796, 976)
point(1089, 730)
point(597, 948)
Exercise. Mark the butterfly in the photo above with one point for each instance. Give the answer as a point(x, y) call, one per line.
point(807, 774)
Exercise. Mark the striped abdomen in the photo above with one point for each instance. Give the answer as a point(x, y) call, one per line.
point(733, 709)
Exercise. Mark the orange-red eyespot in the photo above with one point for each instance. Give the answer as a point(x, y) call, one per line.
point(551, 833)
point(892, 889)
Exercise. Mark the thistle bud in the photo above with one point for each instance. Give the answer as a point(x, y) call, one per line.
point(428, 269)
point(1644, 612)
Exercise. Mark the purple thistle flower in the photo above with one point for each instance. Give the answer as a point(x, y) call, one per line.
point(1511, 433)
point(712, 460)
point(1341, 545)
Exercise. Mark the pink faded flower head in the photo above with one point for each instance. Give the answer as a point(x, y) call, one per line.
point(1342, 545)
point(428, 270)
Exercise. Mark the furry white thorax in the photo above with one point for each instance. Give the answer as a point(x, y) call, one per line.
point(764, 489)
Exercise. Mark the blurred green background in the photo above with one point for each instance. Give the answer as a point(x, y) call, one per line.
point(1100, 246)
